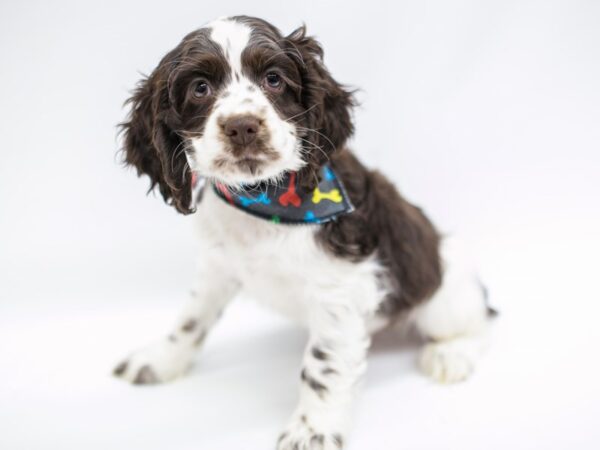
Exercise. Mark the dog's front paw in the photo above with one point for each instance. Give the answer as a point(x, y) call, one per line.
point(157, 363)
point(305, 434)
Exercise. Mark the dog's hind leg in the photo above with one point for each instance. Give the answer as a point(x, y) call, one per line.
point(455, 320)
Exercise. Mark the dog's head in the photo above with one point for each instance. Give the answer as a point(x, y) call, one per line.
point(239, 103)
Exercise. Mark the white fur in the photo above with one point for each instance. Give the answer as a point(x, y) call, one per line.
point(233, 37)
point(284, 268)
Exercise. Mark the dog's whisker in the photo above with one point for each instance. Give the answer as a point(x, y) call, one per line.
point(315, 146)
point(319, 133)
point(301, 113)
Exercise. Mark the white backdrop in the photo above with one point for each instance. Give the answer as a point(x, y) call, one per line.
point(486, 113)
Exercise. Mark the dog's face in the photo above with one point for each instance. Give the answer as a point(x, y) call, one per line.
point(238, 103)
point(247, 92)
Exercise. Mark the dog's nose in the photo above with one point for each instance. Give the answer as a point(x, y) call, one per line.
point(241, 130)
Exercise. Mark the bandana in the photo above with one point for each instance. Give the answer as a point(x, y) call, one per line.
point(289, 203)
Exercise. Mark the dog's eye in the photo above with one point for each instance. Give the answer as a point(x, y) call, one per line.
point(273, 81)
point(201, 89)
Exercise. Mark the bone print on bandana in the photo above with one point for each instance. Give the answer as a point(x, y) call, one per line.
point(289, 203)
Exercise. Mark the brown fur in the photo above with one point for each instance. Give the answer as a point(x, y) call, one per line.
point(405, 241)
point(164, 111)
point(163, 114)
point(327, 124)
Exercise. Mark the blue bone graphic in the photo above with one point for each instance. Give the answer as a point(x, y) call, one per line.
point(247, 201)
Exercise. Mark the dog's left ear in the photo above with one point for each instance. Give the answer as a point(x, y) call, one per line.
point(328, 104)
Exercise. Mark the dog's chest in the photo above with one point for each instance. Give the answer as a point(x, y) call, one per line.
point(280, 265)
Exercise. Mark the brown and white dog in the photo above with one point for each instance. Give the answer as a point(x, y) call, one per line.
point(237, 102)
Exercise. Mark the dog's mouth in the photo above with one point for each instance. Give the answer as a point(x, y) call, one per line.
point(252, 166)
point(241, 170)
point(235, 166)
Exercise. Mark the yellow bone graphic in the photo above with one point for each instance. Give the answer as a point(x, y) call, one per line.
point(333, 195)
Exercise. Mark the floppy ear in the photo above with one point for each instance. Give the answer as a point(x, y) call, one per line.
point(328, 121)
point(150, 143)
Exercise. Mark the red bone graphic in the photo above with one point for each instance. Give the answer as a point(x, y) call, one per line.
point(225, 192)
point(290, 195)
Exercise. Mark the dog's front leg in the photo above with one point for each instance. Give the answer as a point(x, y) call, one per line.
point(172, 355)
point(334, 361)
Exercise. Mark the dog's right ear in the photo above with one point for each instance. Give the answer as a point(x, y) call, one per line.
point(150, 143)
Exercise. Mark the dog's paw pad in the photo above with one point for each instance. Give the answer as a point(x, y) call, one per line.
point(445, 362)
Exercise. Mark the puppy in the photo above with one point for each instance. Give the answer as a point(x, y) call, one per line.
point(289, 216)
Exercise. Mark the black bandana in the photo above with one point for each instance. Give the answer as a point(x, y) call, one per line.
point(290, 203)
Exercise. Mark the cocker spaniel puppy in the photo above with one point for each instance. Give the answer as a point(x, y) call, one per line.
point(288, 215)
